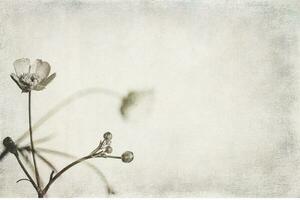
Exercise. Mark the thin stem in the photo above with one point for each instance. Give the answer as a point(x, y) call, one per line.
point(52, 180)
point(20, 150)
point(115, 157)
point(25, 157)
point(45, 160)
point(63, 170)
point(73, 97)
point(37, 176)
point(55, 152)
point(22, 179)
point(28, 175)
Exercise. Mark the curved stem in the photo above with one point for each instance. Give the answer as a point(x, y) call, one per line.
point(31, 142)
point(73, 97)
point(46, 161)
point(110, 190)
point(22, 179)
point(63, 170)
point(28, 161)
point(52, 179)
point(77, 95)
point(28, 175)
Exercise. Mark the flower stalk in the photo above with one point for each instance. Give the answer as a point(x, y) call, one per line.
point(36, 171)
point(36, 187)
point(94, 155)
point(52, 179)
point(12, 148)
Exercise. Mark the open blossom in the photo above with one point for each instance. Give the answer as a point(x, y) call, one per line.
point(33, 76)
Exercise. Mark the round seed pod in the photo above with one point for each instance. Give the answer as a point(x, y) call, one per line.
point(10, 145)
point(108, 149)
point(127, 157)
point(107, 136)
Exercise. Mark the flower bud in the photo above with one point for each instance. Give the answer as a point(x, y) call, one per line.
point(127, 157)
point(108, 149)
point(107, 136)
point(10, 145)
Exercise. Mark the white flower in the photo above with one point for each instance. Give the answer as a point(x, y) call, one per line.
point(33, 76)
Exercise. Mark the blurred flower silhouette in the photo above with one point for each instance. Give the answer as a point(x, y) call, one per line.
point(28, 80)
point(133, 100)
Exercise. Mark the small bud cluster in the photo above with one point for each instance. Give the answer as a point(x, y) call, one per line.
point(104, 148)
point(104, 145)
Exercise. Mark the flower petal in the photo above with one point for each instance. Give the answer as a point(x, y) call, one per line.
point(15, 78)
point(46, 81)
point(22, 66)
point(38, 87)
point(41, 68)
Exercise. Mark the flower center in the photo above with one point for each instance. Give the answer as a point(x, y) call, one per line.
point(30, 79)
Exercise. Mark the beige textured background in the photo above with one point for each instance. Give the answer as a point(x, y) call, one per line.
point(225, 74)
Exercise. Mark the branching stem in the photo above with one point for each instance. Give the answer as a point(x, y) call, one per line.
point(52, 179)
point(28, 175)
